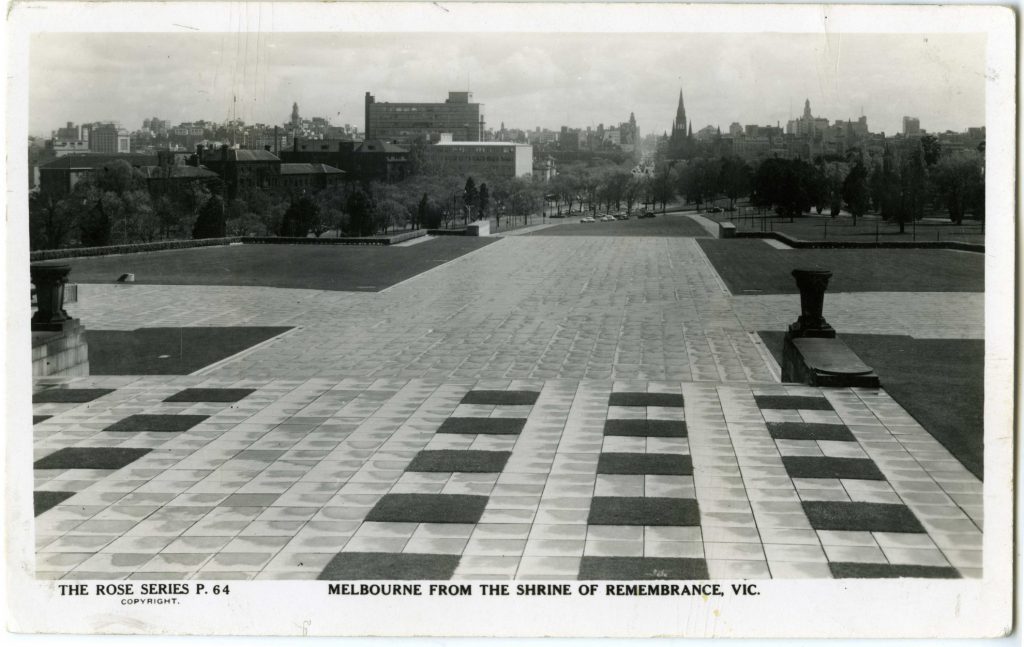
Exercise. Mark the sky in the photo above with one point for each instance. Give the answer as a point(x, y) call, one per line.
point(523, 80)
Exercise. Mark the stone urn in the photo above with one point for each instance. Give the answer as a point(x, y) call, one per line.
point(49, 281)
point(812, 285)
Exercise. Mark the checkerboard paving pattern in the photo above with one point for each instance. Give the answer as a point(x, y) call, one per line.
point(557, 479)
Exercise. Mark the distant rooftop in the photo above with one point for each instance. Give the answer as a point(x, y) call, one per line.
point(96, 160)
point(451, 143)
point(309, 169)
point(379, 146)
point(177, 171)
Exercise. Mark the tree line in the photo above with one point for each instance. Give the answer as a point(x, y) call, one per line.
point(115, 205)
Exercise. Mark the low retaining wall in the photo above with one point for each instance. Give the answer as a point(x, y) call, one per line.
point(134, 248)
point(61, 353)
point(368, 240)
point(75, 252)
point(839, 244)
point(447, 232)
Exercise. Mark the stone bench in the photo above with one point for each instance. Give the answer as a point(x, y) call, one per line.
point(825, 361)
point(726, 230)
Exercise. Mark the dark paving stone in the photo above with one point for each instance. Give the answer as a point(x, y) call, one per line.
point(455, 460)
point(90, 458)
point(651, 428)
point(69, 395)
point(792, 402)
point(500, 397)
point(210, 395)
point(871, 517)
point(482, 426)
point(634, 463)
point(169, 351)
point(645, 400)
point(642, 568)
point(37, 419)
point(825, 467)
point(809, 431)
point(643, 511)
point(149, 422)
point(390, 566)
point(842, 570)
point(249, 500)
point(429, 508)
point(43, 501)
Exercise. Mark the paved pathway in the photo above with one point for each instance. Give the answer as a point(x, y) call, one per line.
point(543, 408)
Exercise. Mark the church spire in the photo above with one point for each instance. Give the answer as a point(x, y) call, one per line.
point(680, 121)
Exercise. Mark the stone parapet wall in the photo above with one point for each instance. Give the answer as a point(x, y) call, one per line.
point(61, 353)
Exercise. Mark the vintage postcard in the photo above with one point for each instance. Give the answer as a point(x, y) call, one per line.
point(464, 319)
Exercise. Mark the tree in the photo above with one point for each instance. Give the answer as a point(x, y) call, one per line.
point(359, 208)
point(912, 187)
point(932, 150)
point(662, 189)
point(114, 205)
point(889, 185)
point(958, 182)
point(469, 197)
point(423, 210)
point(633, 191)
point(734, 179)
point(301, 217)
point(855, 191)
point(51, 221)
point(835, 181)
point(786, 185)
point(211, 222)
point(483, 200)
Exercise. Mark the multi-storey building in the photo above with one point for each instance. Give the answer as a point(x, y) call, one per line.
point(480, 159)
point(365, 161)
point(261, 169)
point(403, 123)
point(108, 138)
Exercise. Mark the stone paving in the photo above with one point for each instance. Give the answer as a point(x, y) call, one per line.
point(542, 408)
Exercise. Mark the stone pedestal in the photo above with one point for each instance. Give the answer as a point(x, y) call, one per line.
point(812, 284)
point(479, 228)
point(63, 352)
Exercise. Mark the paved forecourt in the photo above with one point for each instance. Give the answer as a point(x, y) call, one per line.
point(542, 408)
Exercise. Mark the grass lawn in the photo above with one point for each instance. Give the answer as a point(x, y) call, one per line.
point(938, 381)
point(362, 268)
point(662, 225)
point(750, 266)
point(169, 351)
point(815, 228)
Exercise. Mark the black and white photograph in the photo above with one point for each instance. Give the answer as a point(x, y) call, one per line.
point(420, 319)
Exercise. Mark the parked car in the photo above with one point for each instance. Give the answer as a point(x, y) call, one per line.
point(715, 210)
point(587, 219)
point(622, 217)
point(608, 218)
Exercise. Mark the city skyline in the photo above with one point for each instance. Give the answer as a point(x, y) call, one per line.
point(523, 80)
